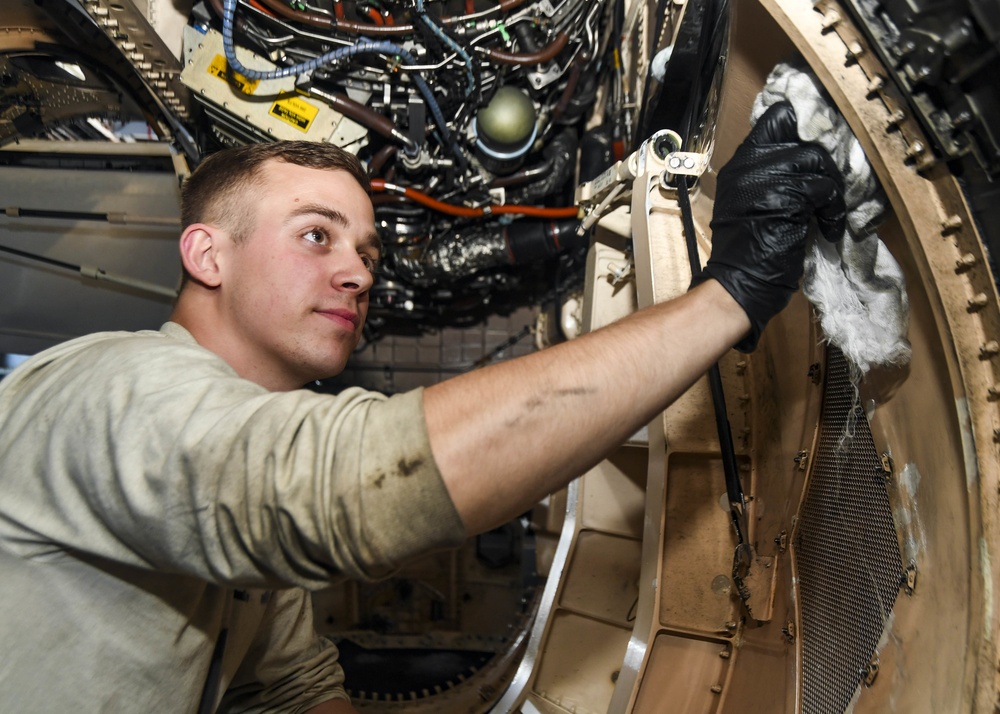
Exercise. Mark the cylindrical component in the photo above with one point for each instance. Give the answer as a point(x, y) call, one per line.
point(505, 130)
point(533, 241)
point(483, 247)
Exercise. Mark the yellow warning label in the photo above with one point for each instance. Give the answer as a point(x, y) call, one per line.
point(295, 111)
point(220, 68)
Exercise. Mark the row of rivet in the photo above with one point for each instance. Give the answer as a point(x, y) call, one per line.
point(102, 17)
point(977, 302)
point(916, 150)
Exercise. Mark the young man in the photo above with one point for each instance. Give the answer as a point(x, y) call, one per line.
point(166, 495)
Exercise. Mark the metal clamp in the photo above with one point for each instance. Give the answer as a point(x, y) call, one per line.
point(686, 163)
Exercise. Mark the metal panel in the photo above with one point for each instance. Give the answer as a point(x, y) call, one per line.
point(42, 305)
point(850, 568)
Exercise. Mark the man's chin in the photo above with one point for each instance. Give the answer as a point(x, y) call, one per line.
point(326, 370)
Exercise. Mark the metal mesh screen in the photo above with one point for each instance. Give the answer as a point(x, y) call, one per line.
point(849, 565)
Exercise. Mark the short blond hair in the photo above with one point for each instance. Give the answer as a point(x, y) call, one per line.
point(219, 189)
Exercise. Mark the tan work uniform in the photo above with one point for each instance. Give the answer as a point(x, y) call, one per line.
point(156, 509)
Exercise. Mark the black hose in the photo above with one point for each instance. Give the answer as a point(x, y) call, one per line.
point(560, 153)
point(734, 488)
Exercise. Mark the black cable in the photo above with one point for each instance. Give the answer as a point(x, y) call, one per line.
point(715, 10)
point(40, 258)
point(95, 273)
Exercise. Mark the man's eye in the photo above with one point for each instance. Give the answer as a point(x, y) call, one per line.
point(370, 262)
point(315, 236)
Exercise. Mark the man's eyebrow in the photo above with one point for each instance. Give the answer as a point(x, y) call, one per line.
point(331, 214)
point(372, 240)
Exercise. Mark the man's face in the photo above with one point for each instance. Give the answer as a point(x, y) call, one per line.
point(296, 289)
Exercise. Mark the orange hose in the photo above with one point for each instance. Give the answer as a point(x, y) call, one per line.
point(254, 3)
point(538, 211)
point(452, 209)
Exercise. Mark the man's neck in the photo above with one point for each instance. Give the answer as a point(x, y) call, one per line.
point(199, 315)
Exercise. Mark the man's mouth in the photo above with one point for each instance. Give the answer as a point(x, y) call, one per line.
point(342, 316)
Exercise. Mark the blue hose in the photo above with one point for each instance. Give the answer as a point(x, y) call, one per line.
point(459, 50)
point(364, 46)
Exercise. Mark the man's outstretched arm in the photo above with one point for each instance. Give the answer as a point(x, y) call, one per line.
point(507, 435)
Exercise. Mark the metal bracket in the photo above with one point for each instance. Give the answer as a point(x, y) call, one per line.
point(781, 540)
point(616, 181)
point(886, 465)
point(686, 163)
point(789, 631)
point(909, 579)
point(870, 673)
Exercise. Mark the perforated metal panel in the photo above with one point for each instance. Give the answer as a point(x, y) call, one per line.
point(849, 562)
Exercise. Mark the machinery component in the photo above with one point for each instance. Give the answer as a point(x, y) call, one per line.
point(840, 638)
point(938, 54)
point(505, 130)
point(471, 110)
point(477, 249)
point(246, 110)
point(849, 565)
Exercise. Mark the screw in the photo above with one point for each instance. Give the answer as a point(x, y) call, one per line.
point(895, 118)
point(990, 349)
point(965, 262)
point(977, 302)
point(876, 83)
point(951, 224)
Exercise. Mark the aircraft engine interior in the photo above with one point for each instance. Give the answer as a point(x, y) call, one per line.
point(803, 531)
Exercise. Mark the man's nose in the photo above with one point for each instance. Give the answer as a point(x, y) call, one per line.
point(352, 273)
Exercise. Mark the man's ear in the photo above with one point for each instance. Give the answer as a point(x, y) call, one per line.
point(199, 253)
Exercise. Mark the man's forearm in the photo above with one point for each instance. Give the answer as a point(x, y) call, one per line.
point(506, 436)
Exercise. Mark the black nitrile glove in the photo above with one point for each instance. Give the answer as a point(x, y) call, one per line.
point(766, 197)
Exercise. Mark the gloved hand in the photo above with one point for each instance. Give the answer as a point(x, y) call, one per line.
point(765, 199)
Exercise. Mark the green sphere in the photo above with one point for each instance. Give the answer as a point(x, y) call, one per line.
point(508, 119)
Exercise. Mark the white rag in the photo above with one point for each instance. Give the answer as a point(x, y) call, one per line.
point(855, 285)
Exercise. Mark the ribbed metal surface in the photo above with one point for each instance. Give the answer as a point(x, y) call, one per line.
point(849, 563)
